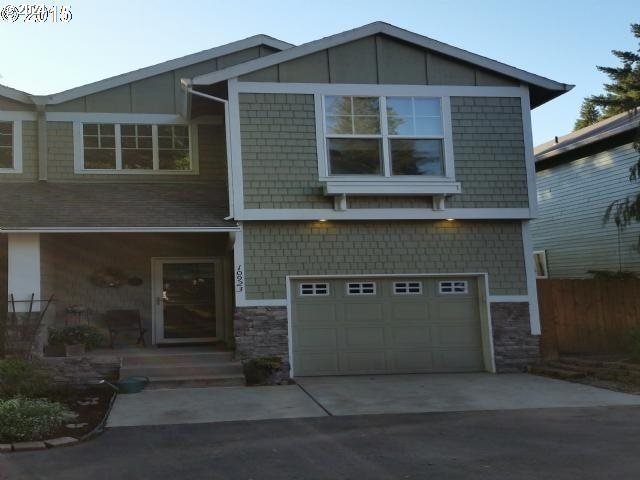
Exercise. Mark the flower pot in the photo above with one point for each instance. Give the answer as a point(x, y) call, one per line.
point(74, 350)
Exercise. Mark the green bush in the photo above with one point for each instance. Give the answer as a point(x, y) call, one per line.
point(88, 335)
point(634, 343)
point(24, 419)
point(25, 378)
point(258, 371)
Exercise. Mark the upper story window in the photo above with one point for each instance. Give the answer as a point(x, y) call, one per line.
point(384, 144)
point(10, 146)
point(384, 136)
point(136, 148)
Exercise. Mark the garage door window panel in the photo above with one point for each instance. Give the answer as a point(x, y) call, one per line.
point(457, 287)
point(360, 288)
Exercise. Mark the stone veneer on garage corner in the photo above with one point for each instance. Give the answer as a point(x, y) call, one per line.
point(513, 344)
point(263, 332)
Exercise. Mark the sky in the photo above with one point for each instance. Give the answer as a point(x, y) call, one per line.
point(562, 40)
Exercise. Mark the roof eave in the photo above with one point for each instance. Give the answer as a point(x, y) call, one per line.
point(167, 66)
point(16, 95)
point(383, 28)
point(586, 142)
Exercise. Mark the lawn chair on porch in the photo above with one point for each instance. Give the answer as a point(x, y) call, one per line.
point(125, 321)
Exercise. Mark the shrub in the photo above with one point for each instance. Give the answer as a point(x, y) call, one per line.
point(25, 378)
point(258, 371)
point(88, 335)
point(633, 343)
point(24, 419)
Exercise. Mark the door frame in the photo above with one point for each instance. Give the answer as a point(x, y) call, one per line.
point(157, 317)
point(483, 303)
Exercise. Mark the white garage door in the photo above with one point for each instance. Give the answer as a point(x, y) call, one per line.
point(386, 325)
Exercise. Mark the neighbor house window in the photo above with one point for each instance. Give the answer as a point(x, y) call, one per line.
point(540, 262)
point(10, 146)
point(136, 147)
point(6, 145)
point(384, 136)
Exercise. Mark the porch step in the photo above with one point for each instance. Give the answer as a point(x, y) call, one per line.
point(176, 358)
point(197, 381)
point(171, 370)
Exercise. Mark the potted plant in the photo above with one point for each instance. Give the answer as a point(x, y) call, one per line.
point(76, 338)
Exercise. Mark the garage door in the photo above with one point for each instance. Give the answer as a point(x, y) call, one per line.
point(386, 325)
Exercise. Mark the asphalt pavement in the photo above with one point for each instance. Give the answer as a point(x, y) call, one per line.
point(560, 443)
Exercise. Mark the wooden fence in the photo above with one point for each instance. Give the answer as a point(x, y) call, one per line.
point(587, 316)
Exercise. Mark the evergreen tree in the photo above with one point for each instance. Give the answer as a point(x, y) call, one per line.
point(623, 93)
point(589, 114)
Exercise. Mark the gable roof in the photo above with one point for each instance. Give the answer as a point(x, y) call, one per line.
point(17, 95)
point(157, 69)
point(603, 130)
point(554, 88)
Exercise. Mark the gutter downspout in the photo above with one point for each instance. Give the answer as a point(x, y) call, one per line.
point(187, 86)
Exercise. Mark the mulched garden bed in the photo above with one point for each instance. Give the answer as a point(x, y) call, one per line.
point(90, 403)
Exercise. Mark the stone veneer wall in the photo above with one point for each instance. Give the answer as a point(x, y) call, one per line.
point(263, 332)
point(514, 346)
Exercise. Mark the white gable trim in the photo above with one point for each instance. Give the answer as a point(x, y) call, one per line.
point(373, 29)
point(164, 67)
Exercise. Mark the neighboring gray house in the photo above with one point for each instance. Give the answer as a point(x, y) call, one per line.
point(356, 204)
point(578, 176)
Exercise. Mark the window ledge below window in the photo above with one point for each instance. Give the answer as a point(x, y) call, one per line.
point(395, 186)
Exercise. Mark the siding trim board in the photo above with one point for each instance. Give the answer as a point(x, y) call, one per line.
point(384, 213)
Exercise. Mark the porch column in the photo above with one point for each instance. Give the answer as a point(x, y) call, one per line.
point(23, 262)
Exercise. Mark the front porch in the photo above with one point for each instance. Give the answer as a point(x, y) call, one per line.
point(180, 283)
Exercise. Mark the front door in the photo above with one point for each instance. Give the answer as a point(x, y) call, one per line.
point(187, 300)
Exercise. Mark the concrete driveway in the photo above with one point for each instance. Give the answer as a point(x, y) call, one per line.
point(358, 395)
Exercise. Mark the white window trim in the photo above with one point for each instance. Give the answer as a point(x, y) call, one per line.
point(315, 287)
point(78, 147)
point(407, 282)
point(361, 293)
point(386, 184)
point(453, 291)
point(16, 146)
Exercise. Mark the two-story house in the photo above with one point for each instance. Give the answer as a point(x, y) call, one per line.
point(356, 204)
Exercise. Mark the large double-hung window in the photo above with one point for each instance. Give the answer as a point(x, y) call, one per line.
point(385, 140)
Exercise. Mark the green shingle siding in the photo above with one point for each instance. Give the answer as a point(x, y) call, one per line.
point(274, 250)
point(280, 166)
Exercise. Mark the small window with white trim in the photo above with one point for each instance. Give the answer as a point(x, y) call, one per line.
point(407, 288)
point(314, 289)
point(540, 262)
point(10, 146)
point(453, 287)
point(361, 288)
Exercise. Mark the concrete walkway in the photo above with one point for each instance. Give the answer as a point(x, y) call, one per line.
point(359, 395)
point(211, 404)
point(454, 393)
